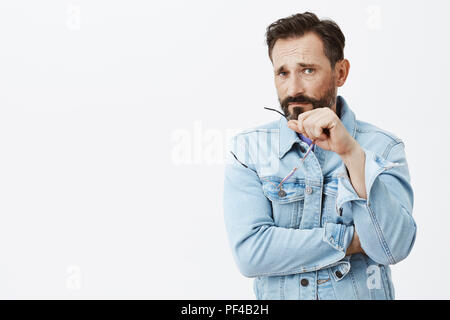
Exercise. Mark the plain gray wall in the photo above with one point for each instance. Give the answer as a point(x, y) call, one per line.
point(114, 119)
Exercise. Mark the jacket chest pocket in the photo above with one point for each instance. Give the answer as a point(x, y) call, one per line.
point(287, 201)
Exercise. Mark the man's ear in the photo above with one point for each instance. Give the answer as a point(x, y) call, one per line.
point(341, 69)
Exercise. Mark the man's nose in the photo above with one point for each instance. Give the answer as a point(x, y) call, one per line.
point(295, 86)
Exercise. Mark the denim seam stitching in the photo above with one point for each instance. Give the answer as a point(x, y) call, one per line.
point(355, 288)
point(367, 266)
point(332, 283)
point(282, 289)
point(388, 151)
point(294, 213)
point(341, 237)
point(237, 144)
point(395, 139)
point(386, 285)
point(379, 232)
point(380, 235)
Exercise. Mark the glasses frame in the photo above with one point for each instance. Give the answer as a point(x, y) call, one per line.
point(281, 192)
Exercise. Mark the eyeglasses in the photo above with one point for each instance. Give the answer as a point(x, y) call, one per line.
point(281, 192)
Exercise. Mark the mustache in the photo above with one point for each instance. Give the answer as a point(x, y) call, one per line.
point(297, 110)
point(298, 99)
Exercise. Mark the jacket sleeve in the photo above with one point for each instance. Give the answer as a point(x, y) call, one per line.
point(384, 221)
point(259, 247)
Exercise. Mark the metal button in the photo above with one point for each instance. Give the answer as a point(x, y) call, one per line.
point(282, 193)
point(304, 282)
point(308, 190)
point(338, 274)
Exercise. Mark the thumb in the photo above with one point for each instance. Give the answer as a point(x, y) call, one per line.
point(293, 124)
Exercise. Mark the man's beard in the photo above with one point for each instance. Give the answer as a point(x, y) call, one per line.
point(327, 101)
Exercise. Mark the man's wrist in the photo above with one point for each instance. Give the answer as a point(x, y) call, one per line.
point(354, 162)
point(354, 152)
point(355, 245)
point(351, 248)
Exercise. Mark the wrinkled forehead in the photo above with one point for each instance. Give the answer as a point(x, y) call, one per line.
point(305, 50)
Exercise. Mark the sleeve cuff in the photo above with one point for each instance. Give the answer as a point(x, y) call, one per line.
point(374, 166)
point(339, 236)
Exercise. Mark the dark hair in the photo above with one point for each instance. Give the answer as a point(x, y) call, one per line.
point(298, 24)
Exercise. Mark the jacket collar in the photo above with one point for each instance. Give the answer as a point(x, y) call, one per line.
point(288, 136)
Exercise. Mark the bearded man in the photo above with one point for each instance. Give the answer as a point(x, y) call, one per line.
point(317, 204)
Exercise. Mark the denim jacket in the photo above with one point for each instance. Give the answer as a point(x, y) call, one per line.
point(293, 242)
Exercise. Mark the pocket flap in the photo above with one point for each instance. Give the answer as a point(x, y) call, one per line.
point(294, 190)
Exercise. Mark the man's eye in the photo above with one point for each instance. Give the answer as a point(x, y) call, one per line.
point(308, 70)
point(282, 73)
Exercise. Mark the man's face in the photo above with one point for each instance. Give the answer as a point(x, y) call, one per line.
point(304, 78)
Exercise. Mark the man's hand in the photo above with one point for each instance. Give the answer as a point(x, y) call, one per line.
point(312, 124)
point(355, 246)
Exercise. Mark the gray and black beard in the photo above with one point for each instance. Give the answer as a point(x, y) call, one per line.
point(327, 101)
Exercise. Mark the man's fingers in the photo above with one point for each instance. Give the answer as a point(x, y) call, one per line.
point(310, 133)
point(309, 124)
point(302, 116)
point(319, 133)
point(311, 128)
point(296, 126)
point(316, 123)
point(292, 124)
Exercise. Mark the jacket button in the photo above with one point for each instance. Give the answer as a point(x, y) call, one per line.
point(308, 190)
point(338, 274)
point(282, 193)
point(304, 282)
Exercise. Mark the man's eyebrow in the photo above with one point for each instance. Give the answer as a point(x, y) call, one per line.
point(301, 64)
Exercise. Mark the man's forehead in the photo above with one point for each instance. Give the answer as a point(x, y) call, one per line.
point(307, 49)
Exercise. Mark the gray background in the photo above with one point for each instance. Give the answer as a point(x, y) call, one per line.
point(114, 119)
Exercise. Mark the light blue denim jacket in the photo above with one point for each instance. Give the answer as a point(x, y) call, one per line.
point(294, 244)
